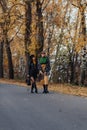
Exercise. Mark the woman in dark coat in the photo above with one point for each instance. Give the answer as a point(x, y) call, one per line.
point(33, 71)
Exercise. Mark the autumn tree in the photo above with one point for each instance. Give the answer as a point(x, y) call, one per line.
point(5, 37)
point(1, 41)
point(1, 59)
point(59, 27)
point(40, 31)
point(28, 19)
point(81, 5)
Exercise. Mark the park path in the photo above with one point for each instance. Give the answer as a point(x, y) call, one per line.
point(21, 110)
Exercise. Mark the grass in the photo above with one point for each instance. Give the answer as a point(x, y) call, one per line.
point(68, 89)
point(60, 88)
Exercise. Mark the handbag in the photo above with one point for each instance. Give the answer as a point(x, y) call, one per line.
point(28, 80)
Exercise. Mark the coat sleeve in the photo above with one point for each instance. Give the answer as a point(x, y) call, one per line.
point(29, 67)
point(48, 67)
point(39, 66)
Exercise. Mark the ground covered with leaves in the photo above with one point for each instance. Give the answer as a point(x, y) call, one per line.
point(60, 88)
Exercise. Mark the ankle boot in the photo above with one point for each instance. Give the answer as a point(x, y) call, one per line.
point(35, 88)
point(46, 88)
point(32, 87)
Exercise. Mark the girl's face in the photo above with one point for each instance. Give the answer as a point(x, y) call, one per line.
point(43, 54)
point(34, 58)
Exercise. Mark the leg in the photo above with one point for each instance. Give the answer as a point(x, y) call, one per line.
point(44, 88)
point(47, 89)
point(46, 83)
point(35, 88)
point(32, 85)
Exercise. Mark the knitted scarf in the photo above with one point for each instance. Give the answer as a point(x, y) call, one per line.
point(43, 60)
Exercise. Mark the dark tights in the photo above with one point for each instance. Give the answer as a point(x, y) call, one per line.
point(33, 85)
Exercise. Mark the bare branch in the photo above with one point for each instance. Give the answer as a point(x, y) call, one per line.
point(42, 2)
point(45, 5)
point(16, 33)
point(75, 5)
point(3, 4)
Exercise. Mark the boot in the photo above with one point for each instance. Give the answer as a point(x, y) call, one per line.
point(46, 89)
point(32, 87)
point(35, 88)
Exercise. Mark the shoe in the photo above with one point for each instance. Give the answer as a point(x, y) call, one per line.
point(47, 91)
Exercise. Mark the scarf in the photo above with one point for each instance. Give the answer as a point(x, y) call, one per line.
point(43, 60)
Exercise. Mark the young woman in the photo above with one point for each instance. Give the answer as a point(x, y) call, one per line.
point(44, 68)
point(33, 71)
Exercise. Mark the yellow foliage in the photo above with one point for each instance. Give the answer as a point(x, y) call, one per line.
point(81, 43)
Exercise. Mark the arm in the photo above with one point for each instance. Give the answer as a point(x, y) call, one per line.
point(29, 67)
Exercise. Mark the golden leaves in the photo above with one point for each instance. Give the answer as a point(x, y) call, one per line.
point(76, 2)
point(57, 21)
point(80, 44)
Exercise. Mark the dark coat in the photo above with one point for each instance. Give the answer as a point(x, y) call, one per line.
point(33, 69)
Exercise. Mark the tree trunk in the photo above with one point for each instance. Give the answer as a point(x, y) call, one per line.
point(9, 56)
point(83, 32)
point(6, 42)
point(40, 37)
point(83, 67)
point(72, 72)
point(1, 60)
point(71, 63)
point(28, 16)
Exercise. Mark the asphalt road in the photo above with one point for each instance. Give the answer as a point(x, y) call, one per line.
point(20, 110)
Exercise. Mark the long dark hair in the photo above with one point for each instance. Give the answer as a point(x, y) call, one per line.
point(31, 58)
point(36, 60)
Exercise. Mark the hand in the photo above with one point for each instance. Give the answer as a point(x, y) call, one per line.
point(41, 72)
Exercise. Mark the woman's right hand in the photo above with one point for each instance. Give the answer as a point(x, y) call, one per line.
point(40, 72)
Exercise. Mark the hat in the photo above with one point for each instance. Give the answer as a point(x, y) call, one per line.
point(43, 52)
point(31, 56)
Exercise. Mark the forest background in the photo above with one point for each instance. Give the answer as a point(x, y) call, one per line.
point(57, 26)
